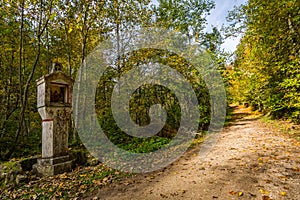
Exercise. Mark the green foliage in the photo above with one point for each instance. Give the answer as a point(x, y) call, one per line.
point(266, 70)
point(186, 16)
point(145, 146)
point(145, 97)
point(33, 34)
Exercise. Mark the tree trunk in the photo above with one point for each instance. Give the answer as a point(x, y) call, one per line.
point(24, 95)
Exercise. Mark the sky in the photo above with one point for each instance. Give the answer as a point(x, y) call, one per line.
point(218, 17)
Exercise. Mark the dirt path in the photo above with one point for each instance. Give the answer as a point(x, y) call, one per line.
point(249, 161)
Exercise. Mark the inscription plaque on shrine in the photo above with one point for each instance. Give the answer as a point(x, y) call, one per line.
point(54, 95)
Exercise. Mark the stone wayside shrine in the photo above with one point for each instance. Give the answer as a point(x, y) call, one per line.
point(54, 95)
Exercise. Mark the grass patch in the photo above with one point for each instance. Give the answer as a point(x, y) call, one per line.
point(283, 126)
point(147, 145)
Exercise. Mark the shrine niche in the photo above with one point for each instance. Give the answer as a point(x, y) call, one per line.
point(54, 94)
point(58, 93)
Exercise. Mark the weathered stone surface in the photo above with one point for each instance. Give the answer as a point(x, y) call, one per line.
point(92, 161)
point(54, 89)
point(55, 131)
point(21, 178)
point(45, 169)
point(54, 106)
point(13, 173)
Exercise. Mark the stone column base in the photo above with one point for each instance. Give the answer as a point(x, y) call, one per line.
point(52, 166)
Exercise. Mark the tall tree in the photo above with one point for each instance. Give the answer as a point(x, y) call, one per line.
point(268, 56)
point(186, 16)
point(32, 19)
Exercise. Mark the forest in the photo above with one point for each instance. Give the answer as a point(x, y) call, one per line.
point(267, 58)
point(36, 34)
point(263, 73)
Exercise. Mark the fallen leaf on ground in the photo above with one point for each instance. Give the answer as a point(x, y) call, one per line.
point(283, 193)
point(264, 191)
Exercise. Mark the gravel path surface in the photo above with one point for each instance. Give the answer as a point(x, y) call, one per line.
point(249, 161)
